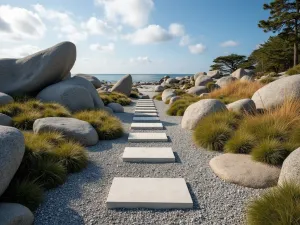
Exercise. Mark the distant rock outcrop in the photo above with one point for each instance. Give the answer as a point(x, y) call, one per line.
point(124, 85)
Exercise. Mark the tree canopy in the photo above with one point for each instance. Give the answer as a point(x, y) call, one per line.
point(228, 64)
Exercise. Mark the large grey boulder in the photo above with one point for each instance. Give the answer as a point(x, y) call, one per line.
point(76, 94)
point(31, 74)
point(94, 80)
point(12, 148)
point(15, 214)
point(224, 81)
point(171, 81)
point(239, 73)
point(167, 94)
point(5, 120)
point(215, 74)
point(197, 90)
point(116, 107)
point(290, 171)
point(5, 99)
point(203, 80)
point(240, 169)
point(199, 74)
point(71, 128)
point(159, 88)
point(197, 111)
point(124, 85)
point(174, 99)
point(276, 92)
point(242, 105)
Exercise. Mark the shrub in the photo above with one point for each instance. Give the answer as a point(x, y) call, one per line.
point(267, 80)
point(134, 94)
point(158, 97)
point(107, 126)
point(178, 107)
point(277, 206)
point(294, 70)
point(114, 97)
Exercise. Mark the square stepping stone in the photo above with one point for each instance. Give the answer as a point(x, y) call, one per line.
point(146, 100)
point(146, 118)
point(147, 137)
point(150, 155)
point(147, 126)
point(147, 108)
point(151, 193)
point(145, 114)
point(145, 104)
point(145, 111)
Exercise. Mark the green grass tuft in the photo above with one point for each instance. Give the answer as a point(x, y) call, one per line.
point(178, 107)
point(294, 70)
point(114, 97)
point(158, 97)
point(134, 94)
point(240, 143)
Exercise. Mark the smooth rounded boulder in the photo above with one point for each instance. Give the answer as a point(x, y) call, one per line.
point(242, 105)
point(159, 88)
point(240, 169)
point(275, 93)
point(31, 74)
point(197, 90)
point(196, 111)
point(290, 171)
point(199, 74)
point(12, 148)
point(203, 80)
point(116, 107)
point(224, 81)
point(76, 94)
point(71, 128)
point(5, 99)
point(15, 214)
point(215, 74)
point(124, 85)
point(171, 81)
point(247, 78)
point(167, 94)
point(94, 80)
point(5, 120)
point(239, 73)
point(174, 99)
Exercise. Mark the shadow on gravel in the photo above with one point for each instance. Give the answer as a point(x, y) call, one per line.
point(177, 159)
point(125, 117)
point(194, 197)
point(167, 124)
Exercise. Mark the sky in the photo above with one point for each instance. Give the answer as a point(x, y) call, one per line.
point(134, 36)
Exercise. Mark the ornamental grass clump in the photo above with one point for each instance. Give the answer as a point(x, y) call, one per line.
point(158, 97)
point(178, 107)
point(114, 97)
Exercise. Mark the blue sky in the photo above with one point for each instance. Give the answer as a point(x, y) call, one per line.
point(134, 36)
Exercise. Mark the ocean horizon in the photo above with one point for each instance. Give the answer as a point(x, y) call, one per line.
point(137, 77)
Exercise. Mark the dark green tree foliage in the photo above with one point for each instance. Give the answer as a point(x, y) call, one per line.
point(284, 18)
point(275, 55)
point(228, 64)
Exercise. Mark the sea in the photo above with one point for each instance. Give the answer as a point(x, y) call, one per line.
point(136, 77)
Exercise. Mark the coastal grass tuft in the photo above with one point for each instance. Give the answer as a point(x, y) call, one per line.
point(114, 97)
point(107, 126)
point(294, 70)
point(178, 107)
point(277, 206)
point(240, 143)
point(158, 97)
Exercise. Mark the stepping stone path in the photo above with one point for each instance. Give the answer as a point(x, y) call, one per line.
point(151, 193)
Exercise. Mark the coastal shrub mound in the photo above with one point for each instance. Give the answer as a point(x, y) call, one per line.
point(158, 97)
point(107, 126)
point(114, 97)
point(278, 206)
point(294, 70)
point(178, 107)
point(25, 112)
point(214, 131)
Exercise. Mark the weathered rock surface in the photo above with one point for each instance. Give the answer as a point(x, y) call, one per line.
point(94, 80)
point(243, 105)
point(203, 80)
point(247, 78)
point(5, 120)
point(167, 94)
point(199, 74)
point(31, 74)
point(15, 214)
point(76, 94)
point(239, 73)
point(116, 107)
point(72, 128)
point(124, 85)
point(224, 81)
point(276, 92)
point(215, 74)
point(290, 171)
point(196, 111)
point(159, 88)
point(174, 99)
point(240, 169)
point(12, 148)
point(5, 99)
point(171, 81)
point(198, 90)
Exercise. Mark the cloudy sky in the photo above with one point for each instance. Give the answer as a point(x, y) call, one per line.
point(133, 36)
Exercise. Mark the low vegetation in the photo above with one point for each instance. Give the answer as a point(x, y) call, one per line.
point(110, 97)
point(107, 126)
point(178, 107)
point(278, 206)
point(134, 94)
point(294, 70)
point(158, 97)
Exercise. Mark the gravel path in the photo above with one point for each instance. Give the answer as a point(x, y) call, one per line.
point(81, 200)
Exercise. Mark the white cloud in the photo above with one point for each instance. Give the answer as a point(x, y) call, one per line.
point(67, 26)
point(140, 60)
point(100, 27)
point(19, 24)
point(103, 48)
point(18, 51)
point(197, 49)
point(185, 40)
point(229, 43)
point(148, 35)
point(134, 13)
point(176, 29)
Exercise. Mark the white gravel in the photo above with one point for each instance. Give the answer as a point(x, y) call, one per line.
point(81, 200)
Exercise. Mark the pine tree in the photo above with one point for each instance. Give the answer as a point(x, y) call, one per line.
point(284, 18)
point(228, 64)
